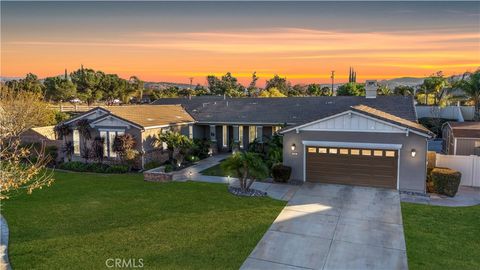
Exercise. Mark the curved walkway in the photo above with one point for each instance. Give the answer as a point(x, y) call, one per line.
point(4, 262)
point(466, 196)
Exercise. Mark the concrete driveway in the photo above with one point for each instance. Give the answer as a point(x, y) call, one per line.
point(334, 227)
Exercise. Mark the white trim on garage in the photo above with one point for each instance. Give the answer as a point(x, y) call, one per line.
point(383, 146)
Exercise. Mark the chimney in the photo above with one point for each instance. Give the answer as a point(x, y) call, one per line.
point(371, 88)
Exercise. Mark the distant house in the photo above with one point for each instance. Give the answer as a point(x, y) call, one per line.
point(143, 122)
point(39, 135)
point(461, 138)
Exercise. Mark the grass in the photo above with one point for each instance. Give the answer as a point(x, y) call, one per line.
point(442, 237)
point(84, 219)
point(217, 171)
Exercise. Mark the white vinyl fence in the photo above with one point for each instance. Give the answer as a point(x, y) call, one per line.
point(469, 166)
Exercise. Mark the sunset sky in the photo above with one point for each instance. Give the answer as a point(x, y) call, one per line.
point(302, 41)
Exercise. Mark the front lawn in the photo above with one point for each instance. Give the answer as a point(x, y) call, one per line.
point(442, 237)
point(84, 219)
point(217, 171)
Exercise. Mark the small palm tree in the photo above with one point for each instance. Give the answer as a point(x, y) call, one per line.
point(248, 166)
point(175, 141)
point(470, 84)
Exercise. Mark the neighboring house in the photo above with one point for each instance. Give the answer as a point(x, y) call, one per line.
point(461, 138)
point(144, 122)
point(367, 141)
point(44, 136)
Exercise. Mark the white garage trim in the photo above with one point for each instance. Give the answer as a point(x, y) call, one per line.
point(353, 144)
point(383, 146)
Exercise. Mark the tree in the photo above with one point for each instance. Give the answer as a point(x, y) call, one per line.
point(227, 85)
point(297, 90)
point(87, 82)
point(59, 89)
point(136, 86)
point(248, 166)
point(200, 90)
point(435, 85)
point(280, 83)
point(384, 90)
point(30, 83)
point(470, 84)
point(21, 168)
point(404, 90)
point(124, 146)
point(252, 87)
point(272, 92)
point(351, 89)
point(175, 142)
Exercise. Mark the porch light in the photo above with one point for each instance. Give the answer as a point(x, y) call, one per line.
point(413, 152)
point(293, 147)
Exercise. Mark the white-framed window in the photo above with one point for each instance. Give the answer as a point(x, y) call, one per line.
point(252, 133)
point(109, 138)
point(240, 136)
point(224, 135)
point(76, 142)
point(275, 129)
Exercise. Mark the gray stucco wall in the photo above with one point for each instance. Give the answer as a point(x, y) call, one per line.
point(412, 170)
point(466, 146)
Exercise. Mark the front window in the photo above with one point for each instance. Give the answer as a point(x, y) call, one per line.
point(76, 142)
point(252, 133)
point(108, 139)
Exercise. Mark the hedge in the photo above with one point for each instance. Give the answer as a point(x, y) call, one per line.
point(445, 181)
point(78, 166)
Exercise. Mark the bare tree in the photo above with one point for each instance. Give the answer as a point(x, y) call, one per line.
point(21, 167)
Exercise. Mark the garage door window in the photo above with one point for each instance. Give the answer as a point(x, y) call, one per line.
point(322, 150)
point(355, 152)
point(378, 153)
point(366, 152)
point(389, 153)
point(343, 151)
point(312, 150)
point(332, 150)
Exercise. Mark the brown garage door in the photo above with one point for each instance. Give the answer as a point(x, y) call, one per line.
point(352, 166)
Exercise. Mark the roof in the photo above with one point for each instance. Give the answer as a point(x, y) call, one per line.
point(150, 116)
point(391, 118)
point(290, 110)
point(465, 129)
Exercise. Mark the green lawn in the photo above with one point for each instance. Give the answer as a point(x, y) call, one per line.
point(217, 171)
point(442, 237)
point(84, 219)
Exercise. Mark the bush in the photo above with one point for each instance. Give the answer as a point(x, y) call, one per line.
point(78, 166)
point(281, 173)
point(168, 168)
point(151, 165)
point(446, 181)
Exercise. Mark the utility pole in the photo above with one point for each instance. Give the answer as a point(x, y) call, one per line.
point(333, 79)
point(191, 82)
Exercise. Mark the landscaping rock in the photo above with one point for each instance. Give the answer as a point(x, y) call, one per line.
point(248, 193)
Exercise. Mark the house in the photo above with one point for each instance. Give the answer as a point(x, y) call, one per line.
point(143, 122)
point(461, 138)
point(367, 141)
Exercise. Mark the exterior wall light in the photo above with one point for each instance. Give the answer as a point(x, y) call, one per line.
point(293, 147)
point(413, 152)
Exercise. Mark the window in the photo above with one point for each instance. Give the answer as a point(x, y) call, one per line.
point(111, 138)
point(190, 131)
point(378, 153)
point(312, 150)
point(76, 142)
point(333, 150)
point(240, 136)
point(477, 143)
point(366, 152)
point(322, 150)
point(343, 151)
point(275, 129)
point(225, 136)
point(354, 152)
point(103, 135)
point(389, 153)
point(252, 133)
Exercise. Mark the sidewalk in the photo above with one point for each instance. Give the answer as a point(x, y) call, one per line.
point(192, 173)
point(4, 262)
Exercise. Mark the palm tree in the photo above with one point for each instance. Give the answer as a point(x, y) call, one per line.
point(470, 84)
point(248, 166)
point(175, 141)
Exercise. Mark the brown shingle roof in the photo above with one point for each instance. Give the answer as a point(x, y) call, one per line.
point(465, 129)
point(391, 118)
point(149, 116)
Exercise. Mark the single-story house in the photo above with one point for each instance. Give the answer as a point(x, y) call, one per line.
point(461, 138)
point(143, 122)
point(367, 141)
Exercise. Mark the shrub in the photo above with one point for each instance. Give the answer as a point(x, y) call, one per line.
point(281, 173)
point(78, 166)
point(168, 168)
point(446, 181)
point(152, 164)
